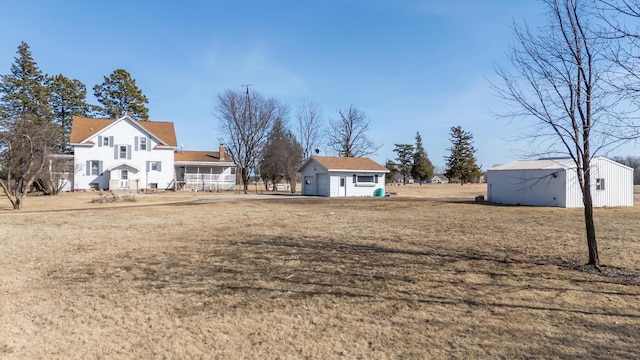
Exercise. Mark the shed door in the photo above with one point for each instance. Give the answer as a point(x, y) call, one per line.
point(342, 189)
point(307, 186)
point(323, 185)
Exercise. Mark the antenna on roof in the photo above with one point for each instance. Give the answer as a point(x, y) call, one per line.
point(182, 146)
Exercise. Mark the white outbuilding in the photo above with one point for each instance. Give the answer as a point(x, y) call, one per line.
point(554, 182)
point(342, 176)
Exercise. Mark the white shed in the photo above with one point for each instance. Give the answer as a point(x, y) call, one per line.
point(554, 182)
point(342, 176)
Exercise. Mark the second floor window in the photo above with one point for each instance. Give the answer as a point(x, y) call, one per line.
point(143, 143)
point(105, 141)
point(122, 151)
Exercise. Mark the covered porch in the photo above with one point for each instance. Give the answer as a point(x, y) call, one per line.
point(204, 171)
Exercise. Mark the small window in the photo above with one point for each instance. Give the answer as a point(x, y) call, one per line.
point(365, 178)
point(124, 174)
point(153, 185)
point(143, 143)
point(123, 151)
point(95, 167)
point(600, 184)
point(154, 166)
point(105, 141)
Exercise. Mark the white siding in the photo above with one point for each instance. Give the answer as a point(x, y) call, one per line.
point(526, 187)
point(325, 183)
point(322, 184)
point(538, 187)
point(123, 133)
point(618, 189)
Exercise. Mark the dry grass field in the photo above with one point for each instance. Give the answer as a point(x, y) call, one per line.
point(427, 274)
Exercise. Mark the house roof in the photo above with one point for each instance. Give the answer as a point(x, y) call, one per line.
point(334, 163)
point(536, 164)
point(198, 156)
point(83, 128)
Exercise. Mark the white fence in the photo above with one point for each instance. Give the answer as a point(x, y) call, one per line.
point(207, 182)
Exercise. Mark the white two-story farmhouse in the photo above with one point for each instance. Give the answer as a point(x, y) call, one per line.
point(130, 155)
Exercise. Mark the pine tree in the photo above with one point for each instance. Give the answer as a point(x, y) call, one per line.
point(422, 168)
point(405, 159)
point(461, 164)
point(119, 94)
point(68, 98)
point(23, 91)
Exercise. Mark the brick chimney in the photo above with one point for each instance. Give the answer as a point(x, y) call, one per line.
point(221, 156)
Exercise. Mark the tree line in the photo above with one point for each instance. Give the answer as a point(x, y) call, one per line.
point(461, 164)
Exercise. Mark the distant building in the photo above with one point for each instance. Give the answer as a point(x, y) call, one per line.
point(439, 179)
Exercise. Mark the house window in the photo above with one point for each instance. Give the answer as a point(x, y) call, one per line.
point(154, 166)
point(95, 167)
point(105, 141)
point(124, 174)
point(365, 178)
point(143, 143)
point(600, 184)
point(122, 151)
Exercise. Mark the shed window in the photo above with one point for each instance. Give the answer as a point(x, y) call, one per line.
point(600, 184)
point(365, 178)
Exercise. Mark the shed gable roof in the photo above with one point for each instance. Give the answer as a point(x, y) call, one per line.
point(335, 163)
point(83, 128)
point(536, 164)
point(550, 164)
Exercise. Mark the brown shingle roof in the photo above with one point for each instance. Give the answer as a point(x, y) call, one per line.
point(349, 163)
point(83, 127)
point(198, 156)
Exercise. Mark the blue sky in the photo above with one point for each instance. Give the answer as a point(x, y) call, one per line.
point(409, 65)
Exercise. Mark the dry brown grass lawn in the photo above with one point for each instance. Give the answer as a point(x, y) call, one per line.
point(428, 274)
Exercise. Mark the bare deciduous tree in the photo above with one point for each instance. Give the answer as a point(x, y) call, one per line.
point(309, 127)
point(622, 34)
point(347, 135)
point(25, 145)
point(245, 120)
point(558, 81)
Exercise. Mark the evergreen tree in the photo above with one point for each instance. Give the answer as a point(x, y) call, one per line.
point(282, 155)
point(422, 168)
point(405, 159)
point(68, 98)
point(23, 91)
point(393, 171)
point(461, 164)
point(119, 94)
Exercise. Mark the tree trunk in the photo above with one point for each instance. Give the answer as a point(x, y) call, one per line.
point(17, 204)
point(590, 227)
point(245, 180)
